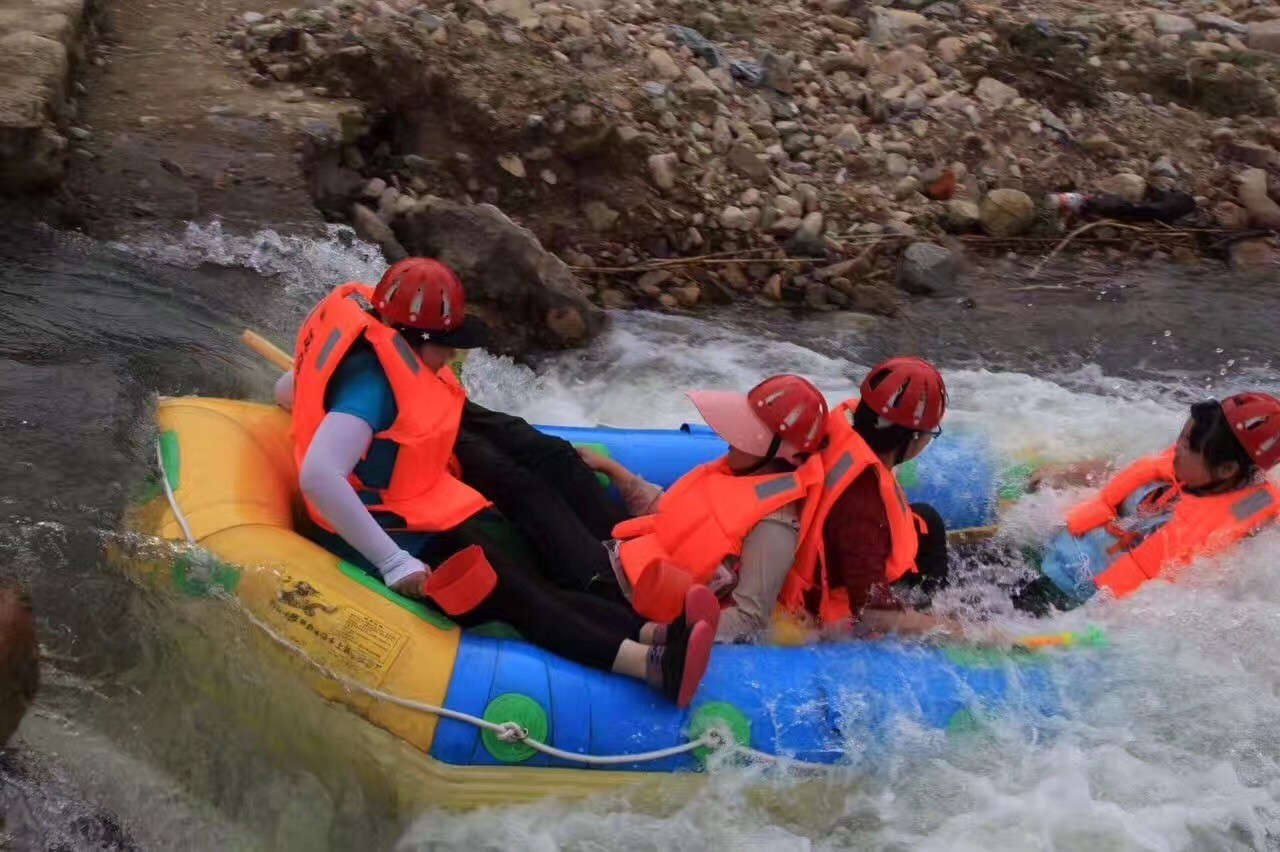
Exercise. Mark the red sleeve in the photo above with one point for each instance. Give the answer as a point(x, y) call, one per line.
point(856, 536)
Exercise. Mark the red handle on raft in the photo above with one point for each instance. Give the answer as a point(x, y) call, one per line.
point(461, 582)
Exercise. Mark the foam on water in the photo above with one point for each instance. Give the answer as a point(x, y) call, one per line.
point(1172, 741)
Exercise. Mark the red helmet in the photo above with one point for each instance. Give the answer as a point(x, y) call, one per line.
point(1255, 421)
point(792, 408)
point(906, 391)
point(421, 293)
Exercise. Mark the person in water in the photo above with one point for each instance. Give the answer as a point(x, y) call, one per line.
point(376, 418)
point(733, 524)
point(1199, 497)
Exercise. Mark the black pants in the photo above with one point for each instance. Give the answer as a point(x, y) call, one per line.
point(542, 486)
point(580, 626)
point(932, 558)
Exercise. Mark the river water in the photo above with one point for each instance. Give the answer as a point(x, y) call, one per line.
point(163, 725)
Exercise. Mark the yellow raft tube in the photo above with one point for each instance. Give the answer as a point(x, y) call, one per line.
point(228, 467)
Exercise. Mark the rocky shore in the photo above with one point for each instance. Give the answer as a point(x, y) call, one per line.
point(820, 154)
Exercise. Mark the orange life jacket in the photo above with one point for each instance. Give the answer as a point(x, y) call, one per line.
point(702, 520)
point(1198, 525)
point(844, 458)
point(422, 494)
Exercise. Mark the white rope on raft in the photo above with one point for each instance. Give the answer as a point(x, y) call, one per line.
point(715, 739)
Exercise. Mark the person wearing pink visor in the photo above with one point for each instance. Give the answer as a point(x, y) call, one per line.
point(732, 524)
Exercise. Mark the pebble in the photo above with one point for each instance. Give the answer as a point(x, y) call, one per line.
point(663, 169)
point(733, 218)
point(995, 94)
point(663, 65)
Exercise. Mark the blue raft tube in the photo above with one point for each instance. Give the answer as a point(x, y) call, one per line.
point(803, 703)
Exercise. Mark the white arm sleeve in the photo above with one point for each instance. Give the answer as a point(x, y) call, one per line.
point(284, 390)
point(335, 450)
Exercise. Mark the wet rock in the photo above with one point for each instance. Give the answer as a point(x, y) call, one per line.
point(1126, 185)
point(663, 169)
point(611, 299)
point(370, 228)
point(815, 295)
point(1175, 25)
point(1007, 212)
point(374, 188)
point(663, 66)
point(651, 282)
point(600, 216)
point(530, 296)
point(809, 239)
point(1254, 256)
point(928, 269)
point(773, 288)
point(963, 214)
point(1264, 35)
point(1263, 212)
point(687, 295)
point(995, 94)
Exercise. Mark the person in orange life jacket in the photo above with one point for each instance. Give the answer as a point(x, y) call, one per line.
point(733, 524)
point(867, 542)
point(1200, 496)
point(382, 484)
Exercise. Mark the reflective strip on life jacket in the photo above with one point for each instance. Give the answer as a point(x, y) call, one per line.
point(702, 520)
point(422, 493)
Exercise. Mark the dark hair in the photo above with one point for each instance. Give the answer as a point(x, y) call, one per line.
point(415, 337)
point(1211, 436)
point(881, 439)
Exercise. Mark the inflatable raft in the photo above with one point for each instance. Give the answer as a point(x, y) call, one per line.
point(230, 487)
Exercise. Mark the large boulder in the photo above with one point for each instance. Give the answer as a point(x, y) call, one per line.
point(1007, 212)
point(529, 296)
point(928, 269)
